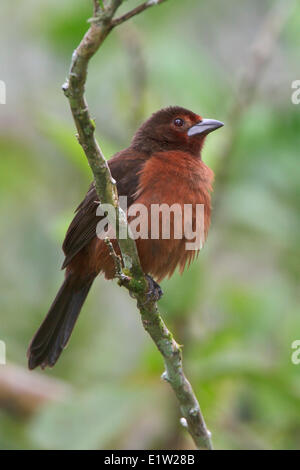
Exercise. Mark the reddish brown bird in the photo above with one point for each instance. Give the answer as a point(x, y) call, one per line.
point(162, 165)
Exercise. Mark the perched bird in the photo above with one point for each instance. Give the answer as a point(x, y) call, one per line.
point(162, 165)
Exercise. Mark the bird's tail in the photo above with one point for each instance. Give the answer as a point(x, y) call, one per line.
point(55, 331)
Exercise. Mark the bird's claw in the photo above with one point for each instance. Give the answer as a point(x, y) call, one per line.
point(155, 292)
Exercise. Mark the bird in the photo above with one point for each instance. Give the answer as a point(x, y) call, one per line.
point(162, 165)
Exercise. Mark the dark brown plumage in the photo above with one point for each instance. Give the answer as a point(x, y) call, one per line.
point(162, 165)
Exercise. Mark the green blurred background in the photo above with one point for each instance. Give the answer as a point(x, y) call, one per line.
point(236, 311)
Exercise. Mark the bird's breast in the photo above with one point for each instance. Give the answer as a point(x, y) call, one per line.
point(174, 189)
point(175, 177)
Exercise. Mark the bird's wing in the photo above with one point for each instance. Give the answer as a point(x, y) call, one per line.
point(125, 167)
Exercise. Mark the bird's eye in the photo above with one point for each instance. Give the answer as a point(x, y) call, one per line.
point(178, 122)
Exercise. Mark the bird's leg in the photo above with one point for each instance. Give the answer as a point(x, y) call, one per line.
point(155, 292)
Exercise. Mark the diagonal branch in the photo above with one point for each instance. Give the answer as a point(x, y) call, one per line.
point(135, 11)
point(22, 393)
point(130, 275)
point(260, 55)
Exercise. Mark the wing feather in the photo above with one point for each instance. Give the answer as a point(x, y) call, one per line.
point(125, 167)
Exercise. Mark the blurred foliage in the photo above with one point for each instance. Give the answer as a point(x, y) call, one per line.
point(236, 310)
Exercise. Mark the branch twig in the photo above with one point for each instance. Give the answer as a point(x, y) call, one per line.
point(131, 276)
point(23, 392)
point(260, 54)
point(135, 11)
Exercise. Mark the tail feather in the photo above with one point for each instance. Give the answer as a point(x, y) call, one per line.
point(55, 331)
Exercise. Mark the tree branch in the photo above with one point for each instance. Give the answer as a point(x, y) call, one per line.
point(131, 275)
point(23, 393)
point(261, 52)
point(135, 11)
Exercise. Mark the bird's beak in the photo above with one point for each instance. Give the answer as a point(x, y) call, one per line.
point(204, 127)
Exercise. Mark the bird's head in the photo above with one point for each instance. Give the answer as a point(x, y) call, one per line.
point(174, 128)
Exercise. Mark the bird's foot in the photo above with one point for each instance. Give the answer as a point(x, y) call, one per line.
point(155, 292)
